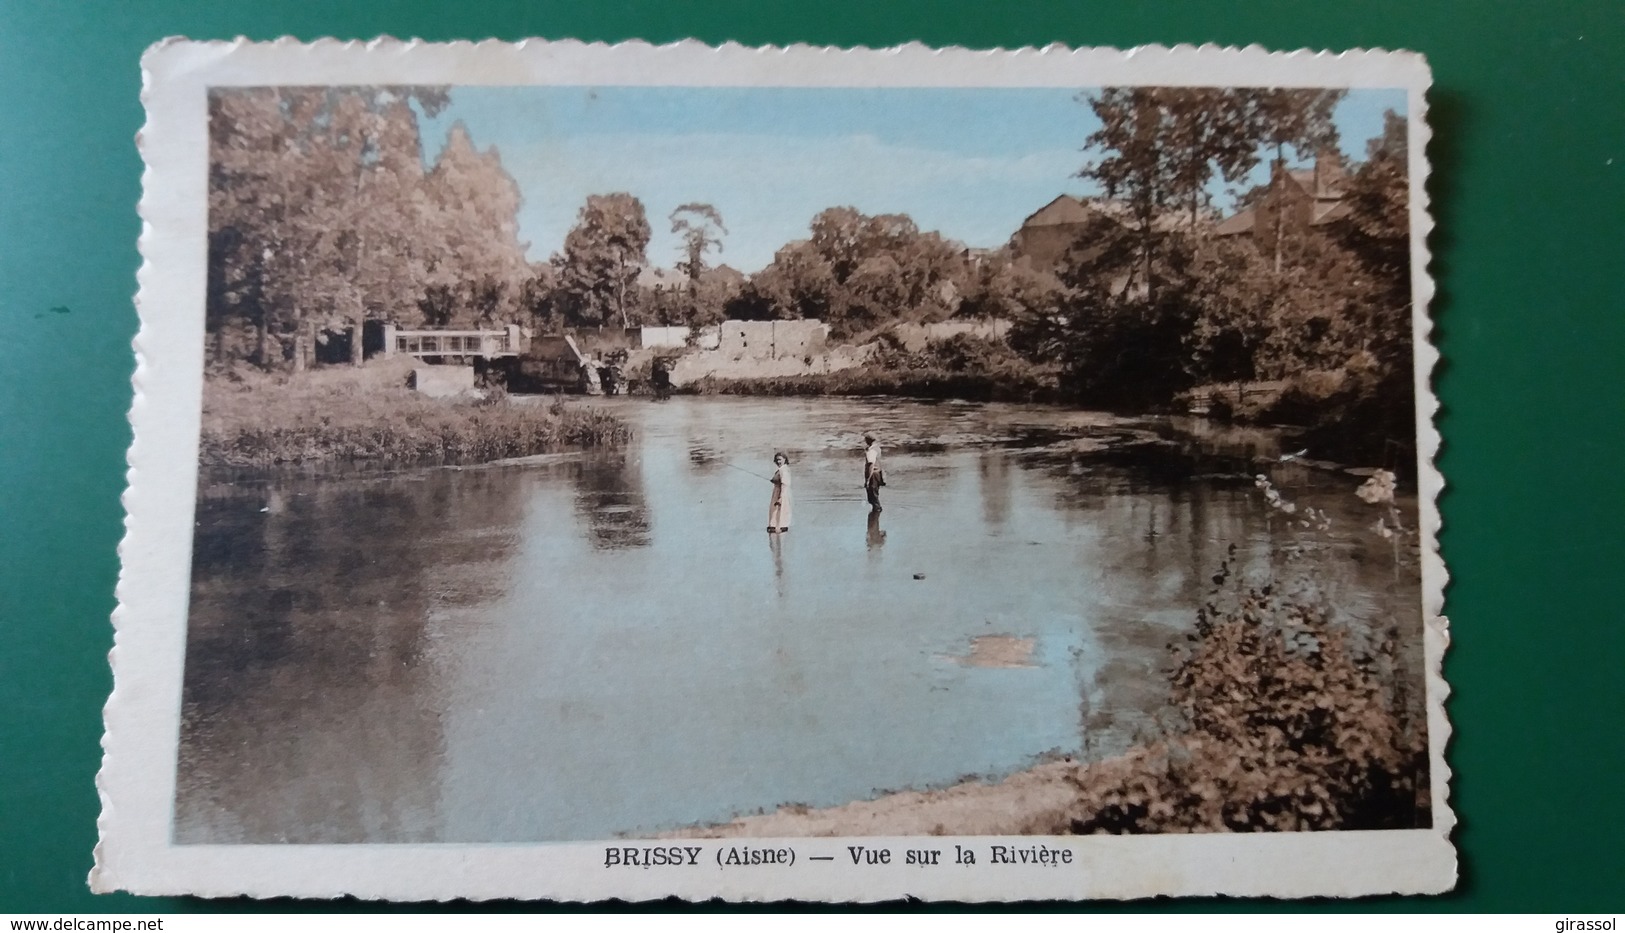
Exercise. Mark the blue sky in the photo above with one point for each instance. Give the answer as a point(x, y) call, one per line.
point(968, 162)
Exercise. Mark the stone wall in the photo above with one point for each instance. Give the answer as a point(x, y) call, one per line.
point(443, 381)
point(770, 340)
point(676, 338)
point(698, 365)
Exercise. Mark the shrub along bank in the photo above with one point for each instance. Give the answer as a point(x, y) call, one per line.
point(1283, 726)
point(254, 419)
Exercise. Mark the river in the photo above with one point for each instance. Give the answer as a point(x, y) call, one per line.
point(577, 646)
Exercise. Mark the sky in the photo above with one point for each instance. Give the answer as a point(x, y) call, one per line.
point(971, 163)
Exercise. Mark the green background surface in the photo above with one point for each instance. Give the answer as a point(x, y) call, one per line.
point(1528, 184)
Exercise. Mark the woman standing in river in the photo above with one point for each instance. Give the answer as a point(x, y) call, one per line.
point(778, 508)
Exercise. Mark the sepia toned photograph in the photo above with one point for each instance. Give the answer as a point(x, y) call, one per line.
point(606, 461)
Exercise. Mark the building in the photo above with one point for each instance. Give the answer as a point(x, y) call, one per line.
point(1048, 233)
point(1296, 201)
point(1054, 230)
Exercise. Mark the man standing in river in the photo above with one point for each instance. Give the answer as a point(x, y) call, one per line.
point(873, 479)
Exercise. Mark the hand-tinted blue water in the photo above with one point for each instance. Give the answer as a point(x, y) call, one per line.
point(579, 646)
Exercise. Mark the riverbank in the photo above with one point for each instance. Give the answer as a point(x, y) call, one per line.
point(367, 414)
point(970, 368)
point(1038, 801)
point(866, 382)
point(1334, 415)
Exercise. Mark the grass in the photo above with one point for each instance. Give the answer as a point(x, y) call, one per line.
point(254, 419)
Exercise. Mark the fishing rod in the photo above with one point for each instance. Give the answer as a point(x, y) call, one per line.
point(743, 470)
point(770, 479)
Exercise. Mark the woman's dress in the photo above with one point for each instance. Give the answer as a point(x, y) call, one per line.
point(778, 508)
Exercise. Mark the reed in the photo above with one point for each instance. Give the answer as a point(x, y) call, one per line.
point(257, 420)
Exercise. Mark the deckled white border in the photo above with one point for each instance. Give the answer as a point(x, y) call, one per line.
point(138, 771)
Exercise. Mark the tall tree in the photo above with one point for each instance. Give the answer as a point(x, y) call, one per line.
point(601, 258)
point(1158, 149)
point(468, 235)
point(344, 164)
point(1134, 164)
point(701, 229)
point(1378, 197)
point(321, 213)
point(798, 283)
point(878, 268)
point(838, 237)
point(1209, 134)
point(1378, 234)
point(1297, 117)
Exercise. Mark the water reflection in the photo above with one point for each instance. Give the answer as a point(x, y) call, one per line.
point(874, 536)
point(611, 500)
point(775, 544)
point(591, 645)
point(311, 698)
point(993, 472)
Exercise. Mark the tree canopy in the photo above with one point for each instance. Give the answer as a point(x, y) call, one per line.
point(1157, 303)
point(596, 272)
point(701, 228)
point(321, 212)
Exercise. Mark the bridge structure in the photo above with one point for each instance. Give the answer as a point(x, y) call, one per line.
point(486, 344)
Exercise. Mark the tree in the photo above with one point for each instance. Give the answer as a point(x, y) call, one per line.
point(1296, 117)
point(1377, 235)
point(838, 237)
point(1209, 133)
point(308, 191)
point(468, 235)
point(1378, 196)
point(1150, 305)
point(1002, 289)
point(321, 214)
point(798, 283)
point(1120, 345)
point(601, 258)
point(1135, 166)
point(535, 298)
point(1235, 305)
point(701, 228)
point(1158, 149)
point(881, 268)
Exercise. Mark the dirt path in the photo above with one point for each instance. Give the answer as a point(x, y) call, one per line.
point(1038, 801)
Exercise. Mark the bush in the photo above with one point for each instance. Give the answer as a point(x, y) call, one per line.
point(1281, 727)
point(1362, 411)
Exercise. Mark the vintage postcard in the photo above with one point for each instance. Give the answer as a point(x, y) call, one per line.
point(578, 471)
